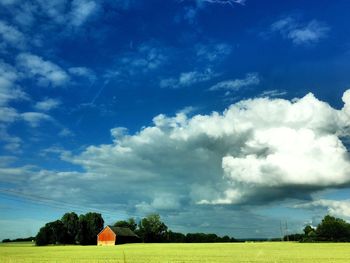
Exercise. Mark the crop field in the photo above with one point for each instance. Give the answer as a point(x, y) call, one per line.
point(154, 253)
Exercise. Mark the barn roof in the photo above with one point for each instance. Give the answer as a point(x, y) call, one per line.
point(123, 231)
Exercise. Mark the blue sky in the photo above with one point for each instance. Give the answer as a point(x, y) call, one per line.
point(224, 116)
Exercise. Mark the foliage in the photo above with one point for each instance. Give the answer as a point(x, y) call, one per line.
point(331, 229)
point(25, 239)
point(52, 233)
point(71, 229)
point(129, 223)
point(90, 225)
point(206, 238)
point(71, 222)
point(152, 229)
point(174, 237)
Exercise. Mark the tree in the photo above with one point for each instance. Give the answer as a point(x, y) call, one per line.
point(174, 237)
point(71, 222)
point(308, 229)
point(52, 233)
point(333, 229)
point(152, 229)
point(43, 236)
point(130, 223)
point(90, 225)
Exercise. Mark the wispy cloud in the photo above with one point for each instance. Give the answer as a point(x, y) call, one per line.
point(45, 72)
point(81, 10)
point(47, 104)
point(213, 52)
point(34, 119)
point(10, 35)
point(223, 2)
point(187, 79)
point(301, 33)
point(236, 84)
point(273, 93)
point(9, 89)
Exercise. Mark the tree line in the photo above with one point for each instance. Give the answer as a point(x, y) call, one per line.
point(71, 229)
point(152, 230)
point(83, 230)
point(331, 229)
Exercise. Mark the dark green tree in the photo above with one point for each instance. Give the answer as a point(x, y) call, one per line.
point(333, 229)
point(152, 229)
point(43, 236)
point(308, 229)
point(129, 223)
point(82, 236)
point(52, 233)
point(90, 225)
point(71, 222)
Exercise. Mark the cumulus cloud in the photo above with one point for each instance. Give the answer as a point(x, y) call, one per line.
point(187, 79)
point(339, 208)
point(236, 84)
point(301, 33)
point(257, 151)
point(45, 72)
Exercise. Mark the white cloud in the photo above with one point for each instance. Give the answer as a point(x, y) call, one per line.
point(83, 72)
point(273, 93)
point(257, 150)
point(47, 104)
point(34, 119)
point(148, 56)
point(12, 143)
point(187, 79)
point(311, 33)
point(45, 72)
point(301, 33)
point(236, 84)
point(10, 35)
point(213, 52)
point(9, 90)
point(8, 114)
point(221, 2)
point(81, 11)
point(338, 208)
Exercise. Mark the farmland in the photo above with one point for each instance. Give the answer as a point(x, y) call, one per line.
point(153, 253)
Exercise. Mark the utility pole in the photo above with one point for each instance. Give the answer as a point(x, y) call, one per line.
point(287, 231)
point(281, 230)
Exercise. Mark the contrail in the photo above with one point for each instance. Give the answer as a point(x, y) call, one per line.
point(92, 102)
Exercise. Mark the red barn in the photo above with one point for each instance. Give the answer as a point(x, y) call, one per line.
point(112, 235)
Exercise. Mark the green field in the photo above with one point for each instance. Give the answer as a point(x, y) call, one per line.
point(218, 252)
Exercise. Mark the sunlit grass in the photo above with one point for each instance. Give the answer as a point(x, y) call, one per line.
point(154, 253)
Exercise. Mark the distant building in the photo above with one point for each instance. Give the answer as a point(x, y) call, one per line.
point(112, 235)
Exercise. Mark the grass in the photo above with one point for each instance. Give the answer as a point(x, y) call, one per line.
point(203, 253)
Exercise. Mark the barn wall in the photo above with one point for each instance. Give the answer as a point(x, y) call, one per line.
point(106, 237)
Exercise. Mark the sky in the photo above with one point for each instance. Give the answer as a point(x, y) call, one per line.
point(223, 116)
